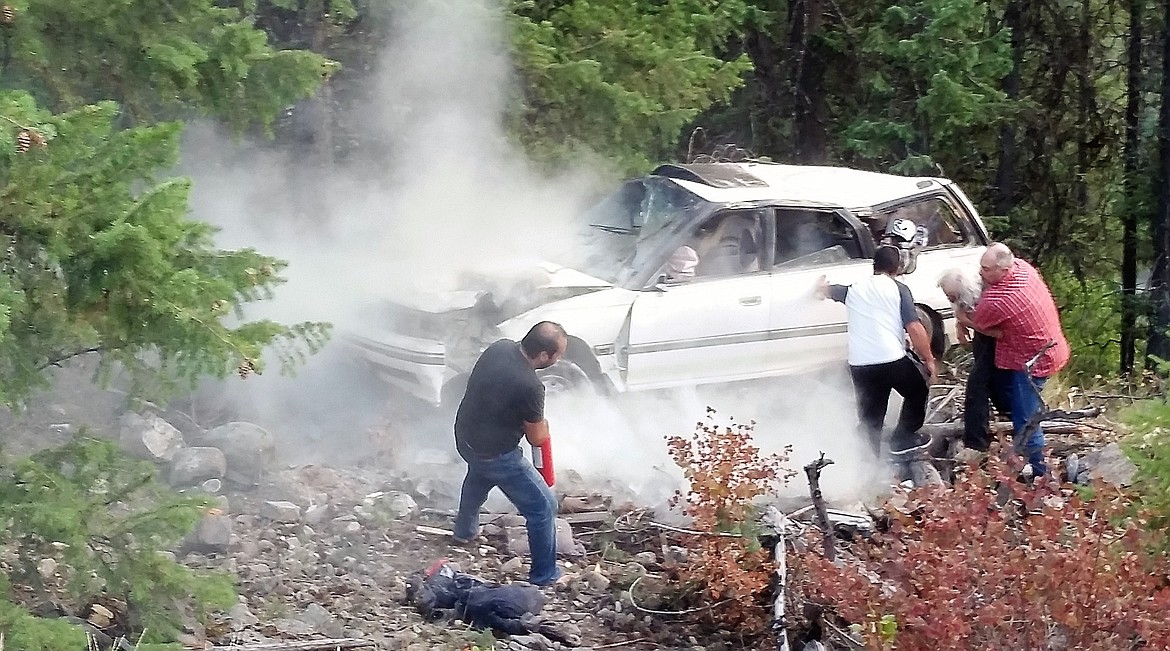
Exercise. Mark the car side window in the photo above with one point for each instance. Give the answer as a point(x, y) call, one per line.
point(813, 237)
point(728, 244)
point(942, 225)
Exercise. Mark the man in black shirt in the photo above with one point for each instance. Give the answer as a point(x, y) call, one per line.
point(504, 402)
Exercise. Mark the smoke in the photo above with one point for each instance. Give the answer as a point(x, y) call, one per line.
point(433, 192)
point(619, 442)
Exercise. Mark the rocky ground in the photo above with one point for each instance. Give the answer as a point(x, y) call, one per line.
point(326, 551)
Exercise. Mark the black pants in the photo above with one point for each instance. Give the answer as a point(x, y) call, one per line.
point(980, 389)
point(873, 383)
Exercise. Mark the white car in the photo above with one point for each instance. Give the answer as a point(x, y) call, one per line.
point(645, 313)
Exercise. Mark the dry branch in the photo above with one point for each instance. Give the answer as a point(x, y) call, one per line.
point(305, 645)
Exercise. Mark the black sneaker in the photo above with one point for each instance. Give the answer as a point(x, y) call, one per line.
point(910, 443)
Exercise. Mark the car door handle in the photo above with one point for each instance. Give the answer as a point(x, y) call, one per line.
point(750, 300)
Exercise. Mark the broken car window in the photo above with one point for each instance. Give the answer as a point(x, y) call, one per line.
point(813, 237)
point(942, 225)
point(629, 227)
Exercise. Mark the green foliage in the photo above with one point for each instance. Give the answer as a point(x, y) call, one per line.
point(928, 78)
point(1090, 312)
point(104, 520)
point(157, 59)
point(29, 633)
point(100, 257)
point(621, 79)
point(1149, 449)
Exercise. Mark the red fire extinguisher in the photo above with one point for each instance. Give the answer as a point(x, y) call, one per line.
point(542, 460)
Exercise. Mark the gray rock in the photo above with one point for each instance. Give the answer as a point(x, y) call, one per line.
point(149, 437)
point(646, 558)
point(316, 514)
point(190, 466)
point(401, 640)
point(47, 567)
point(566, 546)
point(1111, 465)
point(211, 486)
point(596, 581)
point(250, 450)
point(241, 618)
point(293, 627)
point(280, 511)
point(400, 505)
point(512, 565)
point(320, 619)
point(212, 534)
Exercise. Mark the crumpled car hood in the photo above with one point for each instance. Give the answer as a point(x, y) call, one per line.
point(518, 291)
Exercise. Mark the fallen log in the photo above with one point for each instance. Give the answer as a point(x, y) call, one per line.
point(779, 522)
point(304, 645)
point(954, 430)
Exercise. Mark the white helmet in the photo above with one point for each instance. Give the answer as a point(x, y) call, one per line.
point(901, 229)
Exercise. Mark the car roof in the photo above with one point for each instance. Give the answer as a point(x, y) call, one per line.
point(817, 185)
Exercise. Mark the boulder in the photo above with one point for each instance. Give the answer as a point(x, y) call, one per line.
point(280, 511)
point(149, 437)
point(1111, 465)
point(240, 617)
point(566, 546)
point(250, 450)
point(191, 466)
point(212, 534)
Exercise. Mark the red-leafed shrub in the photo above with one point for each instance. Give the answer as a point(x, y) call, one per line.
point(989, 563)
point(727, 473)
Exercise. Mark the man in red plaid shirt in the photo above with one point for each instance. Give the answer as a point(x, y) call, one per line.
point(1017, 308)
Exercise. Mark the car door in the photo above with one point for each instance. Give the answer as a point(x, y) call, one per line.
point(807, 331)
point(707, 320)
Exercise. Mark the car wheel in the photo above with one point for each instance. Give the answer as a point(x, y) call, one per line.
point(934, 330)
point(562, 377)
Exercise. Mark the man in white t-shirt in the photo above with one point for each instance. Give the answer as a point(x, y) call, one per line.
point(881, 314)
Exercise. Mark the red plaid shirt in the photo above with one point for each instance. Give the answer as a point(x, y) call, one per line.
point(1022, 307)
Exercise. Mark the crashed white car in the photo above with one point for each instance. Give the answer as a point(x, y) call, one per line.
point(703, 273)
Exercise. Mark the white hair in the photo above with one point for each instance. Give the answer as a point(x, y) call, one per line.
point(963, 286)
point(1001, 255)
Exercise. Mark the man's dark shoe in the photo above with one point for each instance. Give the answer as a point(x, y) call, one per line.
point(557, 577)
point(909, 444)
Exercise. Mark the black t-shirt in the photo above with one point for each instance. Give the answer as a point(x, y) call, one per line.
point(503, 392)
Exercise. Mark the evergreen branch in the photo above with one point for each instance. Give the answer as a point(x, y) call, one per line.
point(59, 358)
point(20, 126)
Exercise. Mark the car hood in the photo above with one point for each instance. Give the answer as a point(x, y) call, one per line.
point(513, 292)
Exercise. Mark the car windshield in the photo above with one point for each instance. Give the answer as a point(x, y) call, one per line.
point(624, 229)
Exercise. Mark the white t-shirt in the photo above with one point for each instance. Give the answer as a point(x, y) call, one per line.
point(879, 309)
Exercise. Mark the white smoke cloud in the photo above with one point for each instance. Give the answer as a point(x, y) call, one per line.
point(438, 191)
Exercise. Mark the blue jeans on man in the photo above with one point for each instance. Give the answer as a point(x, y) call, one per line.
point(525, 488)
point(1025, 403)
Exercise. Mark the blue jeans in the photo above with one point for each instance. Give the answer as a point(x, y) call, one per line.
point(512, 473)
point(1025, 403)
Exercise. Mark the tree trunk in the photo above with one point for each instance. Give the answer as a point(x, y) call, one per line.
point(1129, 217)
point(809, 107)
point(318, 11)
point(1159, 343)
point(1005, 175)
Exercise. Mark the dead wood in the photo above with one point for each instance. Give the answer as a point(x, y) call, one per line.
point(305, 645)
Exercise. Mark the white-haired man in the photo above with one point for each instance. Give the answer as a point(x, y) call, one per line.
point(963, 292)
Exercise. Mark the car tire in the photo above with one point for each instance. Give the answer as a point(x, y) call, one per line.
point(562, 377)
point(934, 330)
